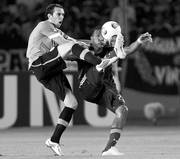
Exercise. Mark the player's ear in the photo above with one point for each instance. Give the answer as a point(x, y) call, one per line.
point(49, 15)
point(91, 38)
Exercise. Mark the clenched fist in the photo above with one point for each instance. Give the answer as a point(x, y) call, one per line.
point(146, 37)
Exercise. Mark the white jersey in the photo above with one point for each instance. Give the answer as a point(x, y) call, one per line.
point(44, 37)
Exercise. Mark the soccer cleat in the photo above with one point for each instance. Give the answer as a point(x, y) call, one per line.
point(118, 47)
point(54, 147)
point(113, 151)
point(103, 64)
point(120, 52)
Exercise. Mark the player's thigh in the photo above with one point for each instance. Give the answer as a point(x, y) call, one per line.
point(58, 84)
point(65, 49)
point(70, 100)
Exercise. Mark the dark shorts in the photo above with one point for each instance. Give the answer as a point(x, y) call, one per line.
point(92, 89)
point(110, 99)
point(91, 85)
point(49, 71)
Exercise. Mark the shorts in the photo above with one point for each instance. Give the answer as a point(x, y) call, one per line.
point(94, 90)
point(48, 70)
point(48, 65)
point(110, 99)
point(91, 84)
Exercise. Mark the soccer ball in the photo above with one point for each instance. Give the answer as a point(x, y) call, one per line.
point(109, 29)
point(153, 111)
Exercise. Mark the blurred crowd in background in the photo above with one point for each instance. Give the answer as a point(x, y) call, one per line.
point(19, 17)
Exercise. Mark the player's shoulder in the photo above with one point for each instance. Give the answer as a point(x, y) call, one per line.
point(44, 23)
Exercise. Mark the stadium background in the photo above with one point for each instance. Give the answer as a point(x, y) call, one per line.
point(151, 75)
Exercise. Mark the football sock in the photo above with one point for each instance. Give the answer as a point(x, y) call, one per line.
point(63, 122)
point(113, 139)
point(102, 65)
point(105, 63)
point(85, 54)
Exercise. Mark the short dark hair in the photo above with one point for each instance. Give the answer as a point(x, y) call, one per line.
point(50, 8)
point(97, 32)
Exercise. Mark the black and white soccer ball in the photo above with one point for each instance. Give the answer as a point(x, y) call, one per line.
point(109, 29)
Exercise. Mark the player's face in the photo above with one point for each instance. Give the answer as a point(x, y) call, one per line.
point(98, 41)
point(57, 16)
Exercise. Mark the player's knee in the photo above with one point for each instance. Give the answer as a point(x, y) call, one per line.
point(121, 116)
point(70, 101)
point(72, 104)
point(121, 111)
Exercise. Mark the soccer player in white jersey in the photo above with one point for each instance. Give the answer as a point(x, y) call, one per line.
point(47, 48)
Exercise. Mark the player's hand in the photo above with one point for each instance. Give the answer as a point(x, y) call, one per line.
point(143, 38)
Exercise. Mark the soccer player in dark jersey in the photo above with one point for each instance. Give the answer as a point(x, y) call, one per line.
point(99, 86)
point(47, 48)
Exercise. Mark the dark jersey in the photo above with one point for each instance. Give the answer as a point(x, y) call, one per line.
point(99, 87)
point(84, 66)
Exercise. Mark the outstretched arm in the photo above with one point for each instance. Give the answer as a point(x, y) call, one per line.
point(143, 38)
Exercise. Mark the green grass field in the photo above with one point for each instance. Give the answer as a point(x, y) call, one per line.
point(83, 142)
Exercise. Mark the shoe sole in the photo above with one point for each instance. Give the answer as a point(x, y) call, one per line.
point(48, 145)
point(104, 63)
point(113, 154)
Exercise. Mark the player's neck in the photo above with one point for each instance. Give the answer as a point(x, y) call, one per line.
point(96, 48)
point(49, 20)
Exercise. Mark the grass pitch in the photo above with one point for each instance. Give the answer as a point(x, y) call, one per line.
point(84, 142)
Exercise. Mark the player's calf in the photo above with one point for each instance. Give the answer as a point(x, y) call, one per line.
point(121, 116)
point(116, 129)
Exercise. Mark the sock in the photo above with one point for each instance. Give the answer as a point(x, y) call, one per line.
point(63, 121)
point(113, 138)
point(102, 65)
point(105, 63)
point(85, 54)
